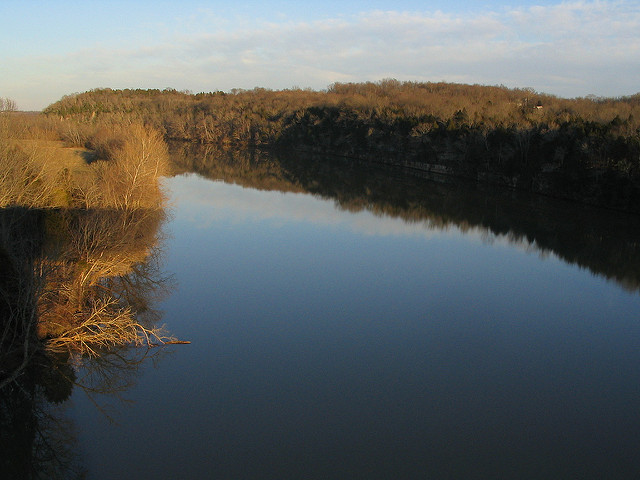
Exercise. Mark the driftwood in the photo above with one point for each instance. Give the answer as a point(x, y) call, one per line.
point(170, 342)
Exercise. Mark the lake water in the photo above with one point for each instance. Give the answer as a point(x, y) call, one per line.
point(371, 324)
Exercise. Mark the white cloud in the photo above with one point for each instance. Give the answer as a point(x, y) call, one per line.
point(570, 49)
point(206, 202)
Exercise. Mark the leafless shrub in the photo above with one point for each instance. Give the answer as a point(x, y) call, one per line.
point(26, 179)
point(129, 176)
point(7, 105)
point(29, 176)
point(107, 325)
point(134, 180)
point(75, 133)
point(106, 244)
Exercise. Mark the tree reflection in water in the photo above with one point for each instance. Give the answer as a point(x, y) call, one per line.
point(600, 240)
point(77, 290)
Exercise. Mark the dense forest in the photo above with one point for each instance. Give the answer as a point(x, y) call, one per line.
point(586, 149)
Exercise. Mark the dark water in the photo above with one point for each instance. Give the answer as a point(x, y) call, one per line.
point(351, 325)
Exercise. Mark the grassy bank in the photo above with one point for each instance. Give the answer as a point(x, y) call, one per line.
point(119, 167)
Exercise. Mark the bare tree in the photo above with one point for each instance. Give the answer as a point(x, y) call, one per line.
point(7, 105)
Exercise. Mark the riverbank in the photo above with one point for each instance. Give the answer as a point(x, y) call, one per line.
point(78, 229)
point(585, 149)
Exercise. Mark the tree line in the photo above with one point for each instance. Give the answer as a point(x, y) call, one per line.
point(587, 149)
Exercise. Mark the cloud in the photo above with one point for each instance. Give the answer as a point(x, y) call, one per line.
point(204, 203)
point(525, 47)
point(569, 49)
point(207, 202)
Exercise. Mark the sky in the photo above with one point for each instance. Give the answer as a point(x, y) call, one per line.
point(53, 48)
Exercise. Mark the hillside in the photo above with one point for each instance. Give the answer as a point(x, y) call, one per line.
point(586, 149)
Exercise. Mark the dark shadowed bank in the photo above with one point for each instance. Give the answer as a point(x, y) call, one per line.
point(78, 288)
point(585, 149)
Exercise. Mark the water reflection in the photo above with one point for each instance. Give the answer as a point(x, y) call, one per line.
point(327, 352)
point(604, 242)
point(78, 289)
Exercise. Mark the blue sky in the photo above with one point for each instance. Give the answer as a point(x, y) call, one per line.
point(573, 48)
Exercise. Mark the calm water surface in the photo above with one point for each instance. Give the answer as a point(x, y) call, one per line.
point(335, 337)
